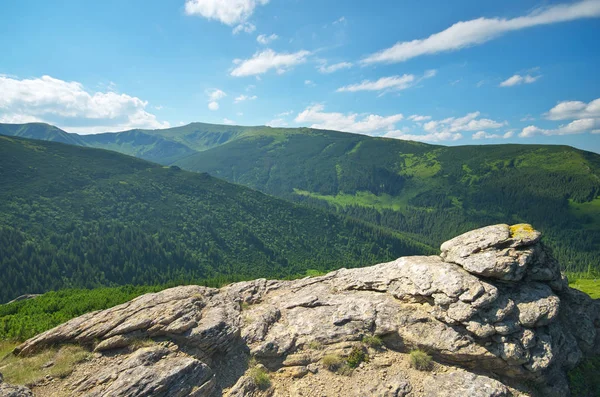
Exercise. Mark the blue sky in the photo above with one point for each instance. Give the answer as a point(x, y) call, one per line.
point(455, 73)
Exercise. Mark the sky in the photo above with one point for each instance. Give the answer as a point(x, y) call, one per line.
point(461, 72)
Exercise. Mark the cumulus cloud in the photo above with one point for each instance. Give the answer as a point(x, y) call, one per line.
point(243, 98)
point(277, 123)
point(326, 69)
point(486, 135)
point(431, 137)
point(585, 118)
point(393, 83)
point(470, 122)
point(264, 39)
point(245, 27)
point(229, 12)
point(478, 31)
point(309, 83)
point(262, 62)
point(569, 110)
point(517, 79)
point(228, 122)
point(214, 96)
point(449, 129)
point(419, 118)
point(579, 126)
point(352, 122)
point(71, 106)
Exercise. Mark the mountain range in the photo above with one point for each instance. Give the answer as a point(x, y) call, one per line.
point(84, 217)
point(429, 192)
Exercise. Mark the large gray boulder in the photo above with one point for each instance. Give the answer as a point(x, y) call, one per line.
point(493, 301)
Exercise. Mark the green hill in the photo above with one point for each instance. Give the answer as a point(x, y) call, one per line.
point(432, 191)
point(429, 191)
point(81, 217)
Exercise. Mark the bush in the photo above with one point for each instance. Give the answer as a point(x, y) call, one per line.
point(372, 341)
point(260, 377)
point(583, 380)
point(332, 362)
point(420, 360)
point(357, 356)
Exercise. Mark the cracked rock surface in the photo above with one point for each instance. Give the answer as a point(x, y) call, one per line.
point(493, 301)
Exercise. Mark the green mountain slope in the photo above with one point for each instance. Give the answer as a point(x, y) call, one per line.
point(432, 191)
point(80, 217)
point(41, 131)
point(140, 144)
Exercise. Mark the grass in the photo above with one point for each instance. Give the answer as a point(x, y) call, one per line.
point(260, 377)
point(315, 345)
point(6, 347)
point(420, 360)
point(57, 363)
point(332, 362)
point(364, 199)
point(372, 341)
point(589, 286)
point(356, 357)
point(583, 380)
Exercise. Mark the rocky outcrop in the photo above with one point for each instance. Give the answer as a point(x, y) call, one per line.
point(7, 390)
point(494, 302)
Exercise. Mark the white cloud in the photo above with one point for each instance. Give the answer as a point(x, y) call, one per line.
point(579, 126)
point(449, 129)
point(229, 12)
point(470, 122)
point(585, 118)
point(309, 83)
point(419, 118)
point(431, 137)
point(575, 110)
point(393, 83)
point(478, 31)
point(335, 67)
point(228, 122)
point(517, 79)
point(214, 96)
point(277, 123)
point(245, 27)
point(70, 106)
point(264, 39)
point(486, 135)
point(284, 114)
point(243, 98)
point(351, 122)
point(340, 20)
point(262, 62)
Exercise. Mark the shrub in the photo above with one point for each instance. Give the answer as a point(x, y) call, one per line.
point(260, 377)
point(356, 356)
point(583, 380)
point(372, 341)
point(332, 362)
point(420, 360)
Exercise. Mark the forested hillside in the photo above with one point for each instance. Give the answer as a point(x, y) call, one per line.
point(79, 217)
point(431, 192)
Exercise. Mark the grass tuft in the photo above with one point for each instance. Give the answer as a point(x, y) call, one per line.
point(260, 377)
point(420, 360)
point(372, 341)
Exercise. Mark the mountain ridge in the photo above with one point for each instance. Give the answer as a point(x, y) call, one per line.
point(429, 191)
point(85, 217)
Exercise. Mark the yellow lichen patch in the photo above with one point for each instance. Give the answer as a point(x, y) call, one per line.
point(522, 230)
